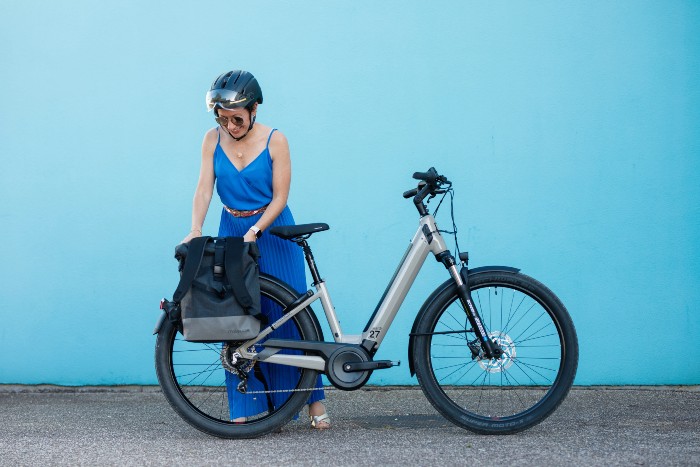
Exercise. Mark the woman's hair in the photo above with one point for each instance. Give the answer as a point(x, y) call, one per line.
point(248, 107)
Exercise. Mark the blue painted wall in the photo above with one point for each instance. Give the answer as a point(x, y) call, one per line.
point(570, 129)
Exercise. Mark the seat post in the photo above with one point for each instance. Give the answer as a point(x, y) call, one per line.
point(310, 261)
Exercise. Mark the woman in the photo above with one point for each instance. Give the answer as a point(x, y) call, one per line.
point(251, 165)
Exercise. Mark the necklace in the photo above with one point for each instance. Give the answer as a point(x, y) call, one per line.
point(238, 154)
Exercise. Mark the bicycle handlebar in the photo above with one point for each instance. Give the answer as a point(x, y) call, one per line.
point(430, 178)
point(430, 184)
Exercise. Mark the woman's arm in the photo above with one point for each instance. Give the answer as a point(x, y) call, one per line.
point(205, 186)
point(281, 179)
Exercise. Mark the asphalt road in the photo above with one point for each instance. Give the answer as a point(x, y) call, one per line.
point(385, 426)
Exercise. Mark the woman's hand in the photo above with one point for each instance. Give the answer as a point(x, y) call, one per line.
point(193, 234)
point(249, 236)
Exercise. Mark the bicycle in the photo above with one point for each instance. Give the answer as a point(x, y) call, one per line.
point(494, 350)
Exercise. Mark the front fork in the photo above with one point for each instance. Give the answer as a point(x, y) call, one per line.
point(491, 348)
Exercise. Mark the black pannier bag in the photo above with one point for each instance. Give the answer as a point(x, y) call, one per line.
point(219, 290)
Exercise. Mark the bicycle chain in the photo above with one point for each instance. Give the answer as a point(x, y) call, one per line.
point(241, 367)
point(291, 390)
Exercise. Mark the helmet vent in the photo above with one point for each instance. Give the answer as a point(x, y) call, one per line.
point(226, 78)
point(237, 77)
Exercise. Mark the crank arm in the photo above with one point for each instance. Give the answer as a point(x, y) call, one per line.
point(365, 366)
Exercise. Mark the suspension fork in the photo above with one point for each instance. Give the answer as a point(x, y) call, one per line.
point(491, 348)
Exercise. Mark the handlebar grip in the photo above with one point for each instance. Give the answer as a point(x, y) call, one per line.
point(421, 175)
point(429, 177)
point(410, 193)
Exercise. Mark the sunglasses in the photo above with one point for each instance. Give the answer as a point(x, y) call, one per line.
point(223, 121)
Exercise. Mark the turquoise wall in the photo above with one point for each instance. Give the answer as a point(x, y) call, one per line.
point(570, 129)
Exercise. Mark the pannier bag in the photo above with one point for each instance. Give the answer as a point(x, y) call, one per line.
point(219, 290)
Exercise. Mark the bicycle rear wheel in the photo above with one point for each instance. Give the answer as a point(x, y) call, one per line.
point(193, 378)
point(496, 396)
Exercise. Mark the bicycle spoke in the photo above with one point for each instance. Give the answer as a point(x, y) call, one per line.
point(481, 393)
point(455, 319)
point(490, 308)
point(539, 337)
point(546, 325)
point(517, 393)
point(530, 325)
point(201, 373)
point(523, 315)
point(513, 312)
point(455, 371)
point(518, 364)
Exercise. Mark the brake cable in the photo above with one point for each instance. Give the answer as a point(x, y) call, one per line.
point(453, 232)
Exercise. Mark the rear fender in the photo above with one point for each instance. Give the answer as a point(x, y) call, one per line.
point(159, 324)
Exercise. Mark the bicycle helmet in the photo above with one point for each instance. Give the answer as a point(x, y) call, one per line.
point(233, 90)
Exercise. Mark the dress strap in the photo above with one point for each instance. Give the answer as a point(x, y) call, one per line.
point(270, 137)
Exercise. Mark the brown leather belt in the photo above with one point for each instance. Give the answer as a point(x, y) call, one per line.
point(239, 213)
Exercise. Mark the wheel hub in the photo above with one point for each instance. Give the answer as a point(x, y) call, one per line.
point(496, 365)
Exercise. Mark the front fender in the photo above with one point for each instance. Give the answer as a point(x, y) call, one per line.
point(441, 288)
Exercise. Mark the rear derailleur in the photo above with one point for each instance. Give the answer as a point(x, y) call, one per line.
point(233, 362)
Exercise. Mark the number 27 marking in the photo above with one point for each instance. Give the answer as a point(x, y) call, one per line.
point(374, 334)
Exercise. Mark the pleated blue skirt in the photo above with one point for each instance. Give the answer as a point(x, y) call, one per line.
point(285, 260)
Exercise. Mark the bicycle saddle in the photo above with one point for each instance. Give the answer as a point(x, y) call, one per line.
point(289, 232)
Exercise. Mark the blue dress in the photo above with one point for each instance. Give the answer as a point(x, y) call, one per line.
point(250, 189)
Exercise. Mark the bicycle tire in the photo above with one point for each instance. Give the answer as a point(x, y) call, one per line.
point(501, 396)
point(192, 377)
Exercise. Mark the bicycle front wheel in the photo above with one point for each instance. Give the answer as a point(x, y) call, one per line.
point(516, 391)
point(203, 393)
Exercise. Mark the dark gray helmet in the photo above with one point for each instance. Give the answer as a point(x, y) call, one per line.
point(234, 89)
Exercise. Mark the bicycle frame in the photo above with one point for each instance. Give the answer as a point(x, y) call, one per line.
point(426, 240)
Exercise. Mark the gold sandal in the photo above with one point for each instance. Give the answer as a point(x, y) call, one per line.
point(320, 422)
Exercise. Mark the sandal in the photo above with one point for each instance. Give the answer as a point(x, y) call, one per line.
point(320, 422)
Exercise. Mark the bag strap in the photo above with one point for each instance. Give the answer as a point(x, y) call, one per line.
point(195, 252)
point(219, 255)
point(234, 271)
point(234, 274)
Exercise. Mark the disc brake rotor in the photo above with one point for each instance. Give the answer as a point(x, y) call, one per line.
point(507, 345)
